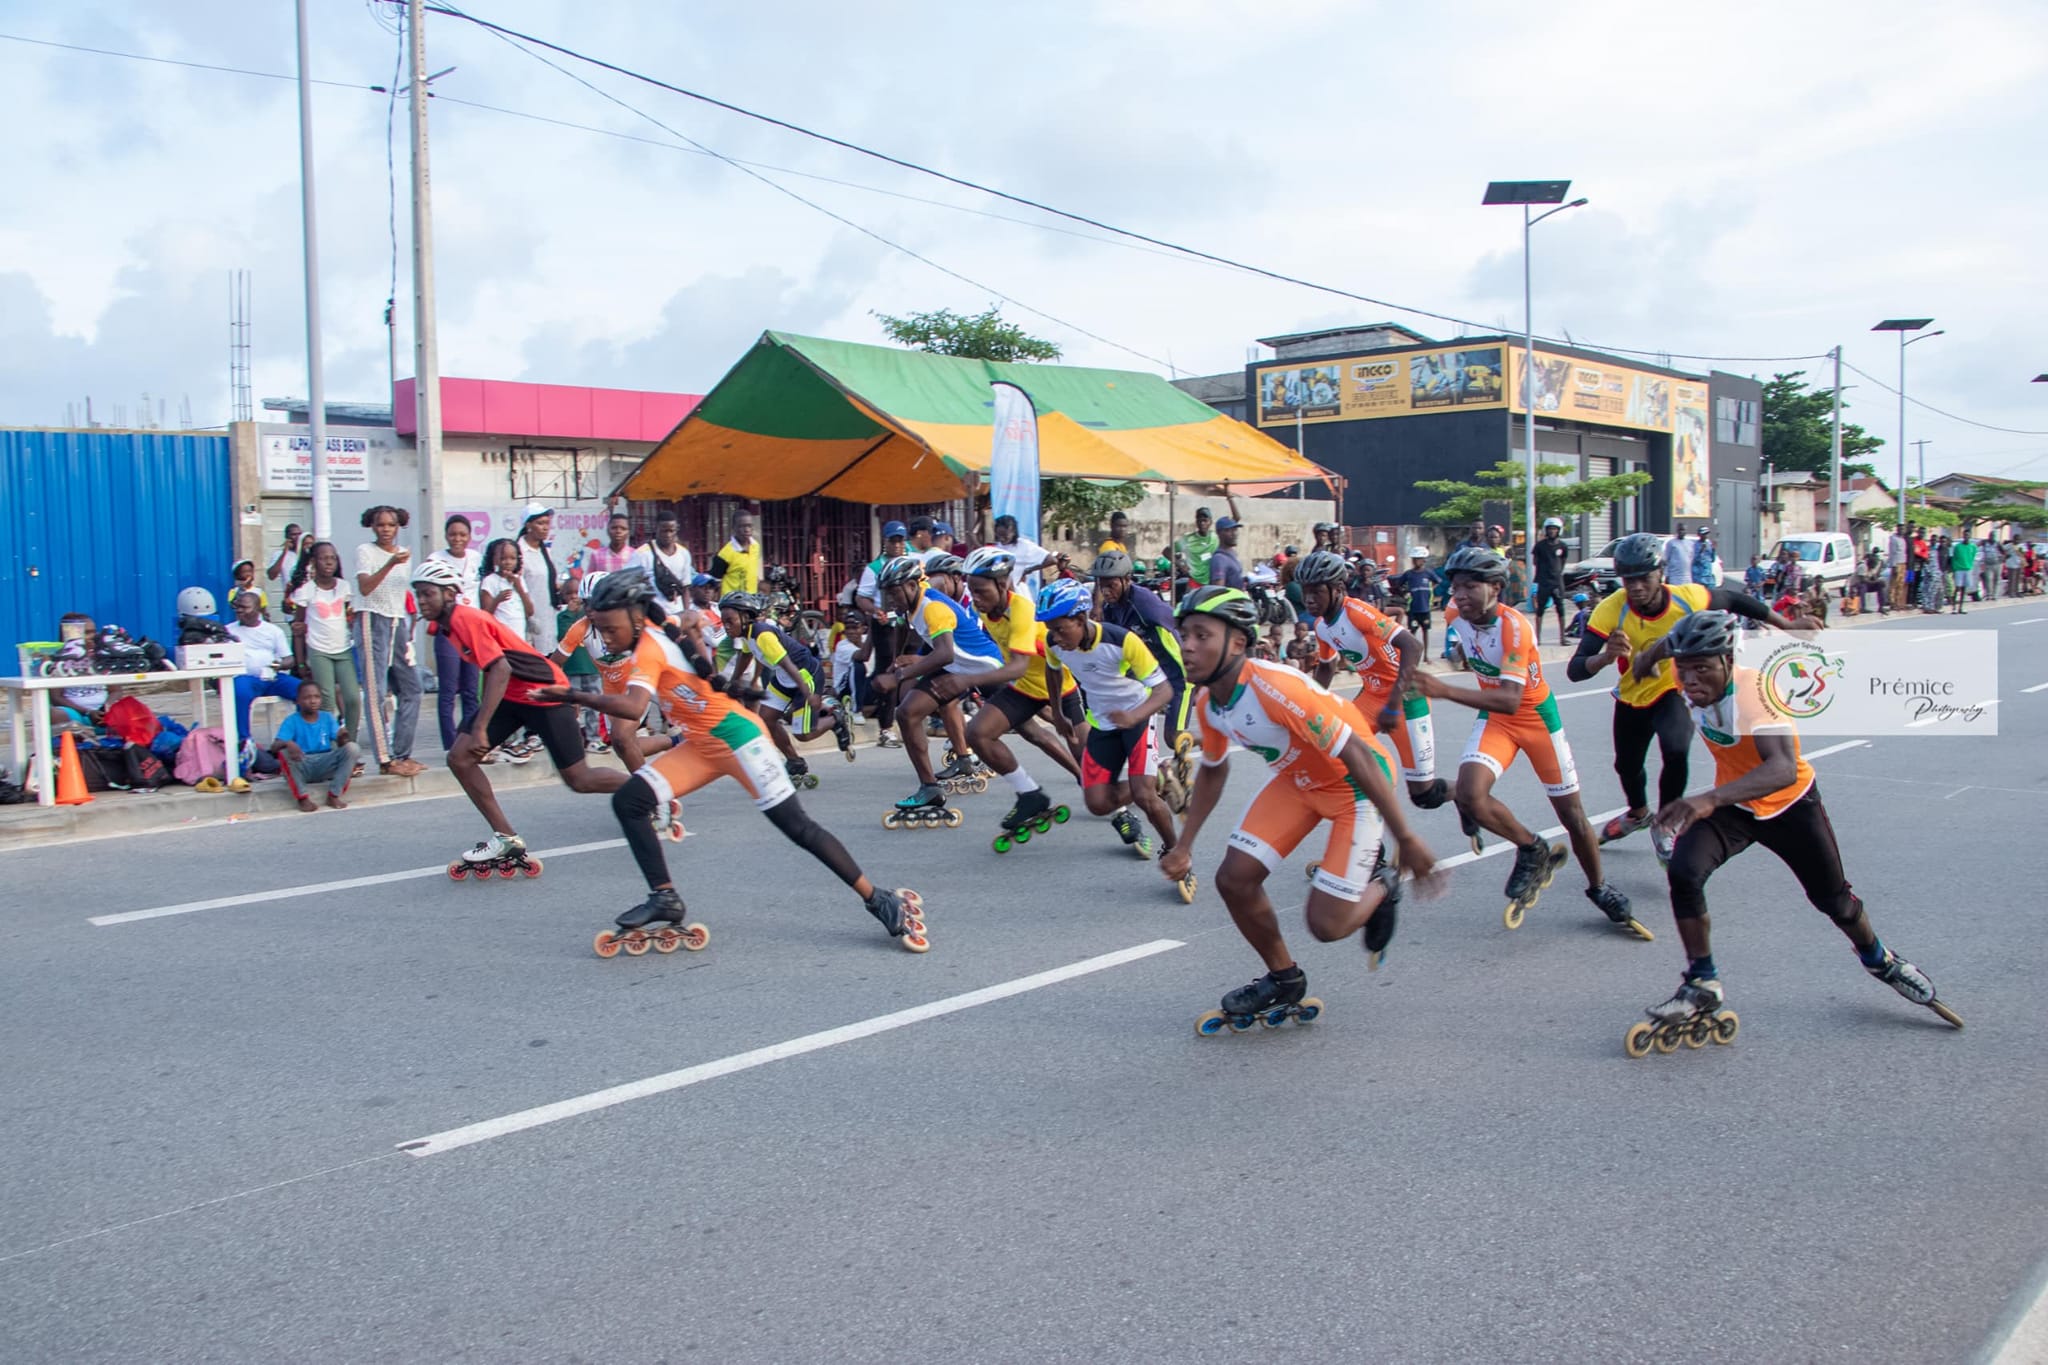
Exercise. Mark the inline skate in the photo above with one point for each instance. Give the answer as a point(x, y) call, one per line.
point(1271, 1000)
point(924, 808)
point(504, 854)
point(1126, 826)
point(1693, 1016)
point(662, 909)
point(1614, 904)
point(1535, 865)
point(902, 913)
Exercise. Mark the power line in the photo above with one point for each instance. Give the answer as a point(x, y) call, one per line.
point(1966, 421)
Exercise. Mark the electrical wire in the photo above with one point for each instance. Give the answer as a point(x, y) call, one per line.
point(1966, 421)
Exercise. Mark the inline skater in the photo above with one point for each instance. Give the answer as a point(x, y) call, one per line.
point(947, 572)
point(889, 633)
point(1647, 705)
point(1517, 714)
point(957, 652)
point(1324, 765)
point(1017, 693)
point(714, 737)
point(1764, 793)
point(1130, 605)
point(512, 680)
point(790, 680)
point(1386, 656)
point(1123, 687)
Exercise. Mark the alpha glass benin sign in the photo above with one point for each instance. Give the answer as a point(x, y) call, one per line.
point(285, 457)
point(1388, 384)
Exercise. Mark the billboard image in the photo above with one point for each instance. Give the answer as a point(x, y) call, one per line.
point(1310, 392)
point(1442, 379)
point(1692, 491)
point(1391, 384)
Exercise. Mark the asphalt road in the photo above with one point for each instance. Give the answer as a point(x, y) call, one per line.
point(200, 1144)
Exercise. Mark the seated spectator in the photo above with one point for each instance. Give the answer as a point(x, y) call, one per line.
point(264, 647)
point(314, 748)
point(1301, 650)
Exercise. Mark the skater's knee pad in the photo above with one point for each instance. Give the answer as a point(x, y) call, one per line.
point(1433, 795)
point(1845, 907)
point(794, 821)
point(635, 800)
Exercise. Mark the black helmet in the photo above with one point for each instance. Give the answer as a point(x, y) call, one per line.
point(952, 564)
point(621, 588)
point(1638, 554)
point(901, 570)
point(1704, 635)
point(1232, 606)
point(1488, 566)
point(745, 603)
point(1322, 566)
point(1111, 564)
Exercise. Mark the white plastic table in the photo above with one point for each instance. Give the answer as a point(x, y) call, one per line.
point(34, 694)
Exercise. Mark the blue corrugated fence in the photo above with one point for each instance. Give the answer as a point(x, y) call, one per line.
point(112, 524)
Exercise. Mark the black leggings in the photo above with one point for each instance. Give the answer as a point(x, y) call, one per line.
point(1668, 721)
point(1802, 837)
point(635, 805)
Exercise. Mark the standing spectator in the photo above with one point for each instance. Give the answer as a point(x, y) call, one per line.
point(1418, 588)
point(1119, 536)
point(537, 570)
point(1677, 557)
point(1928, 595)
point(264, 647)
point(1962, 562)
point(667, 561)
point(1991, 559)
point(581, 670)
point(1496, 538)
point(502, 592)
point(1550, 556)
point(1475, 539)
point(455, 678)
point(1791, 582)
point(1193, 550)
point(1753, 577)
point(313, 748)
point(1875, 581)
point(292, 537)
point(737, 565)
point(1031, 556)
point(1706, 559)
point(1897, 560)
point(1225, 569)
point(320, 601)
point(615, 553)
point(384, 641)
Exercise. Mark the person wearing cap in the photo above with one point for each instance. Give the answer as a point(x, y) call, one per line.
point(1550, 556)
point(1195, 549)
point(1225, 569)
point(1416, 586)
point(737, 565)
point(537, 570)
point(667, 561)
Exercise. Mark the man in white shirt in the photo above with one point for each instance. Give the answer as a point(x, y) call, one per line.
point(1895, 568)
point(264, 646)
point(1031, 556)
point(1677, 557)
point(672, 579)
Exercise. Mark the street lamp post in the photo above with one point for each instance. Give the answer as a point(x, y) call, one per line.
point(1525, 193)
point(1903, 326)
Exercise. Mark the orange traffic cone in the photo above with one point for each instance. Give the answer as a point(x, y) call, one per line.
point(70, 777)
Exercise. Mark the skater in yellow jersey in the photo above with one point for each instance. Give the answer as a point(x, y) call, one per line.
point(1326, 768)
point(1763, 793)
point(1517, 715)
point(1015, 695)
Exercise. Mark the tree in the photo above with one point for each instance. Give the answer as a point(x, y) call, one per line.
point(985, 336)
point(1798, 429)
point(1504, 482)
point(1887, 516)
point(1085, 503)
point(1991, 503)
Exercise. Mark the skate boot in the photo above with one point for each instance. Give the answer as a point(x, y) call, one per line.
point(1473, 832)
point(504, 854)
point(1693, 1016)
point(1271, 1000)
point(1535, 865)
point(1172, 790)
point(1186, 886)
point(902, 913)
point(655, 923)
point(1379, 930)
point(842, 732)
point(800, 774)
point(1662, 843)
point(924, 808)
point(1914, 984)
point(1623, 825)
point(1615, 906)
point(961, 775)
point(1126, 827)
point(1034, 813)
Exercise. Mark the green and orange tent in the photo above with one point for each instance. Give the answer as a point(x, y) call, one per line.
point(802, 417)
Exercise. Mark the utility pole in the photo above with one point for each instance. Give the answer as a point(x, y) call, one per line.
point(1921, 448)
point(316, 403)
point(426, 365)
point(1835, 517)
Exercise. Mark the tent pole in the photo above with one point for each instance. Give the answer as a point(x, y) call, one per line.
point(1172, 569)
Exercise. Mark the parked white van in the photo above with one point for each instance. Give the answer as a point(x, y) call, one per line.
point(1827, 555)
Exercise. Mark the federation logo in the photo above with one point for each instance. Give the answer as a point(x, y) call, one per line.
point(1800, 681)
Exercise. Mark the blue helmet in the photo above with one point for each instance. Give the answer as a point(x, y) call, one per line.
point(1064, 597)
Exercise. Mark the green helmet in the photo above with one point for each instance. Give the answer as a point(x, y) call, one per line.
point(1232, 606)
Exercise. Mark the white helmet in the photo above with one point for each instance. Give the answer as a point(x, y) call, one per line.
point(1417, 552)
point(590, 582)
point(1549, 522)
point(438, 572)
point(196, 602)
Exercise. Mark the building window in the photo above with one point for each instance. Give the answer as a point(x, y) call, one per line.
point(1735, 421)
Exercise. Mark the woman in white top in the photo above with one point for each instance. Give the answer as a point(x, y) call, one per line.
point(384, 635)
point(319, 601)
point(457, 678)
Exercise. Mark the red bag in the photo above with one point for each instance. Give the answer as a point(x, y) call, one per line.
point(132, 721)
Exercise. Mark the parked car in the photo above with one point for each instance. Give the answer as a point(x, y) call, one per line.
point(1600, 567)
point(1827, 555)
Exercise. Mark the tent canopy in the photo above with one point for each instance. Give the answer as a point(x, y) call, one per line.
point(800, 416)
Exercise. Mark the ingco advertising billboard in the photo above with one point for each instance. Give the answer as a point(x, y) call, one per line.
point(1385, 384)
point(1598, 391)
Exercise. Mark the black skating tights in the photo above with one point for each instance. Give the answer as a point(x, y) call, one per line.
point(635, 804)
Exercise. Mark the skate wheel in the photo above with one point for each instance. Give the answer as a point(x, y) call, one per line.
point(1186, 886)
point(606, 944)
point(892, 821)
point(1640, 930)
point(507, 871)
point(1042, 825)
point(1239, 1023)
point(1210, 1024)
point(1003, 843)
point(1274, 1017)
point(1060, 815)
point(954, 818)
point(637, 943)
point(695, 937)
point(915, 941)
point(1725, 1026)
point(1512, 916)
point(1946, 1013)
point(667, 940)
point(1143, 849)
point(1022, 834)
point(458, 872)
point(1665, 1040)
point(674, 833)
point(1478, 846)
point(980, 785)
point(1697, 1035)
point(532, 868)
point(1307, 1010)
point(1636, 1042)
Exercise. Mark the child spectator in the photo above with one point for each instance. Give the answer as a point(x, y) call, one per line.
point(1301, 650)
point(503, 592)
point(313, 748)
point(580, 668)
point(321, 602)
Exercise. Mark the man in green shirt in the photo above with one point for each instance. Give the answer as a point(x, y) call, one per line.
point(1962, 566)
point(1194, 550)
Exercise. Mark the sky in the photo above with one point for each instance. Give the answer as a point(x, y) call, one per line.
point(1766, 180)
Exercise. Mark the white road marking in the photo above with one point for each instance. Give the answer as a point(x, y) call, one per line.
point(1936, 720)
point(437, 1143)
point(1596, 692)
point(2030, 621)
point(1938, 635)
point(318, 888)
point(1837, 748)
point(2027, 1342)
point(2037, 687)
